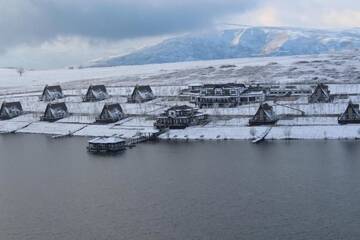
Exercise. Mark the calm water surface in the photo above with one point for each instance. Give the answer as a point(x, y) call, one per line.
point(54, 189)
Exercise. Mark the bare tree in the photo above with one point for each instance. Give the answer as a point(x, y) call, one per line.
point(20, 71)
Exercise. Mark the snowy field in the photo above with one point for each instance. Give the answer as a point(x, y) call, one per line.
point(341, 71)
point(341, 68)
point(276, 133)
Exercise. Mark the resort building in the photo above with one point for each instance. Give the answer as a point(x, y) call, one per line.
point(219, 95)
point(51, 93)
point(141, 93)
point(265, 115)
point(321, 94)
point(351, 114)
point(252, 96)
point(106, 145)
point(96, 93)
point(10, 110)
point(111, 112)
point(179, 117)
point(54, 112)
point(288, 90)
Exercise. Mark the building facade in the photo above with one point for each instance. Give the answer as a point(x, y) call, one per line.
point(180, 117)
point(219, 95)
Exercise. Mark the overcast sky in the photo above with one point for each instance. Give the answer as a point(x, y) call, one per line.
point(58, 33)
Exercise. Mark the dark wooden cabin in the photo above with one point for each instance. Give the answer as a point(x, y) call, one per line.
point(111, 112)
point(351, 114)
point(10, 110)
point(141, 93)
point(96, 93)
point(51, 93)
point(321, 94)
point(265, 115)
point(54, 112)
point(179, 117)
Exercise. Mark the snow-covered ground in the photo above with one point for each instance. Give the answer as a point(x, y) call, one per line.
point(343, 68)
point(341, 71)
point(276, 133)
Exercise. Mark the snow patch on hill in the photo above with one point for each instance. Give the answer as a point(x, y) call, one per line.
point(242, 42)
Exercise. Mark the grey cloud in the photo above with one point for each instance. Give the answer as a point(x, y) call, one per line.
point(34, 21)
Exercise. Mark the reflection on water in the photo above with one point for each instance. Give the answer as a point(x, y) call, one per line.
point(54, 189)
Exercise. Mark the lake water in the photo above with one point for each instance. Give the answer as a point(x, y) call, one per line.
point(54, 189)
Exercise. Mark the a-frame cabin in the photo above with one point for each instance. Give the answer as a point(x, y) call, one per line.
point(141, 93)
point(54, 112)
point(96, 93)
point(10, 110)
point(265, 115)
point(351, 114)
point(51, 93)
point(111, 112)
point(321, 94)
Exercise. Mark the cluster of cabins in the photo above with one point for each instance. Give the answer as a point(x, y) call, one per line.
point(57, 109)
point(203, 96)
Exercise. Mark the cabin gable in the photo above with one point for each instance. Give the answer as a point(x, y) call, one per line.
point(264, 115)
point(10, 110)
point(111, 113)
point(55, 111)
point(141, 94)
point(321, 94)
point(51, 93)
point(351, 114)
point(96, 93)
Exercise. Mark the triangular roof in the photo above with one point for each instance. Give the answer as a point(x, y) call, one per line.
point(97, 88)
point(142, 88)
point(321, 93)
point(111, 111)
point(60, 105)
point(55, 88)
point(144, 91)
point(352, 106)
point(267, 109)
point(11, 104)
point(111, 107)
point(5, 106)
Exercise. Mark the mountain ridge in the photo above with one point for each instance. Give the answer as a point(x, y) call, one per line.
point(240, 42)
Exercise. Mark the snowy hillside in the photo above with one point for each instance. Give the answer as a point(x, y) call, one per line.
point(240, 43)
point(330, 68)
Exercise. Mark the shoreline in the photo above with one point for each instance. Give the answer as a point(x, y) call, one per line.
point(196, 133)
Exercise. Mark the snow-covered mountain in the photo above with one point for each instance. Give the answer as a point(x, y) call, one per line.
point(239, 43)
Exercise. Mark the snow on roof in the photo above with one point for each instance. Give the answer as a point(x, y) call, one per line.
point(195, 85)
point(106, 140)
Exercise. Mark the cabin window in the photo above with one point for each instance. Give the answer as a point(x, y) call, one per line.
point(218, 91)
point(233, 92)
